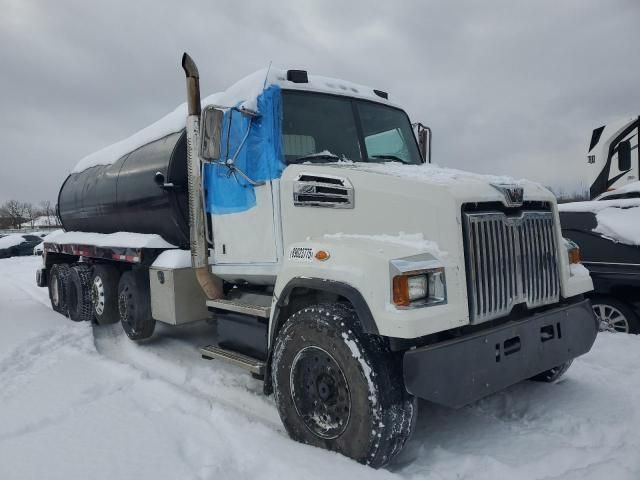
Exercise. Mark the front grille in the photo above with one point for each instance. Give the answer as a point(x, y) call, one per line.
point(510, 260)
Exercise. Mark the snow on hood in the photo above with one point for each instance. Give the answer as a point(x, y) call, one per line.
point(620, 224)
point(595, 206)
point(11, 240)
point(243, 94)
point(628, 188)
point(618, 219)
point(433, 174)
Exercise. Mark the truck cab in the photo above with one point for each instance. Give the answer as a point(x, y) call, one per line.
point(339, 267)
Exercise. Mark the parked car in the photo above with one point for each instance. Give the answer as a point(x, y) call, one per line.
point(37, 250)
point(631, 190)
point(607, 231)
point(17, 244)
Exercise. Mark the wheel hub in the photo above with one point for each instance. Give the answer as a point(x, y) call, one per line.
point(97, 295)
point(320, 392)
point(611, 319)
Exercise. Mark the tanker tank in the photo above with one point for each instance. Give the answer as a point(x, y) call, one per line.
point(144, 191)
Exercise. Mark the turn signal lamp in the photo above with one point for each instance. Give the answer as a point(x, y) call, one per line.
point(573, 251)
point(322, 255)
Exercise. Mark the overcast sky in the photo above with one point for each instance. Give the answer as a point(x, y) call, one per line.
point(507, 87)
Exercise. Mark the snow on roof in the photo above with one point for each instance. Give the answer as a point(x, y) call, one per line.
point(243, 94)
point(120, 239)
point(12, 240)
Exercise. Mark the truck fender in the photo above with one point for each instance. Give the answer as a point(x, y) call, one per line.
point(320, 285)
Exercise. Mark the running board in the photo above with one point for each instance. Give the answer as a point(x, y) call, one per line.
point(239, 307)
point(251, 364)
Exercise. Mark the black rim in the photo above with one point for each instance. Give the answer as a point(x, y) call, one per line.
point(320, 392)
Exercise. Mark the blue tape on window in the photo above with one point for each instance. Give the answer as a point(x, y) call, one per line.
point(260, 156)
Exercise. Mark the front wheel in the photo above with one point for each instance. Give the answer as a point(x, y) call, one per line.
point(340, 389)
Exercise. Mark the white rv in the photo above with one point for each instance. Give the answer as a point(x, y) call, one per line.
point(612, 158)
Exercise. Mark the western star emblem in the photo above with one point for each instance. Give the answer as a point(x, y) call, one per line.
point(513, 194)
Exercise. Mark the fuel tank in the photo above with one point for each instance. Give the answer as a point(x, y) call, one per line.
point(145, 191)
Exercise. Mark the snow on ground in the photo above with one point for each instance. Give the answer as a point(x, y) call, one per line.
point(11, 240)
point(79, 402)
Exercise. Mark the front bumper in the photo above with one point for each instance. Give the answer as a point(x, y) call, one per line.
point(456, 372)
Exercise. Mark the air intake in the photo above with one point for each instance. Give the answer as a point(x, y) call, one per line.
point(327, 191)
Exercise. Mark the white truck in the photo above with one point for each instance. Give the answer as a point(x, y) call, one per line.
point(612, 158)
point(298, 213)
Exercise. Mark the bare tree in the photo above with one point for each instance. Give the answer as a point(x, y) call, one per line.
point(15, 211)
point(29, 212)
point(47, 210)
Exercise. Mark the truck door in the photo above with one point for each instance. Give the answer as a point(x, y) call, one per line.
point(248, 236)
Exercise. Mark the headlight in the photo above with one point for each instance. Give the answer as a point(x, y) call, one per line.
point(419, 288)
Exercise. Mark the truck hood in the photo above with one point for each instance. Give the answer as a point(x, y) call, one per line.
point(457, 185)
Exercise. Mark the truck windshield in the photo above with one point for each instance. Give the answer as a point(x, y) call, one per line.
point(319, 127)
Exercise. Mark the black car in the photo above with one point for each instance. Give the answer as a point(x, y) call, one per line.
point(17, 244)
point(614, 267)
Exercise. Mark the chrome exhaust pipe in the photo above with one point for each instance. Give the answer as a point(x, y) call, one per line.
point(210, 284)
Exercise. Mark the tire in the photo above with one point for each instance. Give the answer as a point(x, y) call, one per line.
point(134, 305)
point(58, 286)
point(615, 316)
point(553, 374)
point(353, 401)
point(104, 294)
point(79, 293)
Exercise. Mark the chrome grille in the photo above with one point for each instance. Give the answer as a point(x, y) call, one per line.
point(510, 260)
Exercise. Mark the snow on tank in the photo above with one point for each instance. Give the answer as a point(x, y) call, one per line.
point(243, 94)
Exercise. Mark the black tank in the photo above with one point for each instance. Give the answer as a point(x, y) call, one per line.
point(144, 191)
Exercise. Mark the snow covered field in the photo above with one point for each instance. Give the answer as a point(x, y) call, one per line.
point(83, 402)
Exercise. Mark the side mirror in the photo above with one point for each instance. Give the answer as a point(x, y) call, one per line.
point(210, 133)
point(424, 141)
point(624, 156)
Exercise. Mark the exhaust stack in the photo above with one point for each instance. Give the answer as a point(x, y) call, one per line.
point(210, 284)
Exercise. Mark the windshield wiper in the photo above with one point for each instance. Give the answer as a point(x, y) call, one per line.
point(315, 156)
point(393, 158)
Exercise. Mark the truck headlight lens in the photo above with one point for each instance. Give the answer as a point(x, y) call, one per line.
point(417, 286)
point(414, 289)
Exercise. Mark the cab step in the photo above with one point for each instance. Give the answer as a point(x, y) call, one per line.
point(237, 306)
point(253, 365)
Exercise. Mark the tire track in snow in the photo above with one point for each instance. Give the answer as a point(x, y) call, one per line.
point(172, 356)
